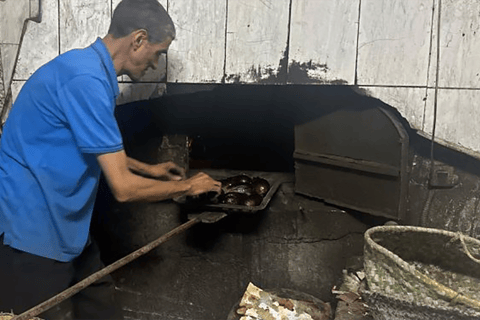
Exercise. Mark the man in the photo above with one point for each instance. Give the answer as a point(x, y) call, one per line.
point(60, 134)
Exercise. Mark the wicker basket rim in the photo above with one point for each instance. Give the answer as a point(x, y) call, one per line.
point(442, 290)
point(399, 229)
point(366, 293)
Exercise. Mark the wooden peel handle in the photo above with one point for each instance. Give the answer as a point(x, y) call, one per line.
point(38, 309)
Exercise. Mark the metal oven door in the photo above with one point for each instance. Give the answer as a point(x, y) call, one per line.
point(355, 159)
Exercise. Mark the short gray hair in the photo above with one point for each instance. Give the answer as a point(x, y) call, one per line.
point(132, 15)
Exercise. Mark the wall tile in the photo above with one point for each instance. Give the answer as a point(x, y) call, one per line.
point(13, 14)
point(2, 87)
point(40, 42)
point(432, 72)
point(458, 115)
point(34, 9)
point(323, 37)
point(9, 54)
point(198, 52)
point(394, 42)
point(459, 44)
point(16, 87)
point(82, 21)
point(257, 33)
point(130, 92)
point(410, 102)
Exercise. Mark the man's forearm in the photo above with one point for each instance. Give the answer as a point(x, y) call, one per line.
point(142, 189)
point(139, 167)
point(127, 186)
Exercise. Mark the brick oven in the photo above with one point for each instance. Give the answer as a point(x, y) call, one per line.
point(343, 159)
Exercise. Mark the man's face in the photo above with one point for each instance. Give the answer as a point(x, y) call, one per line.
point(144, 57)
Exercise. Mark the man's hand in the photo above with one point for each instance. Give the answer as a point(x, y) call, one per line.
point(127, 186)
point(202, 183)
point(168, 171)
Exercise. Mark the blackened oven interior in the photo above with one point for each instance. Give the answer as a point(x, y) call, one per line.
point(202, 273)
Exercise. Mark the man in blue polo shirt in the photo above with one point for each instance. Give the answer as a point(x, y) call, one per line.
point(60, 135)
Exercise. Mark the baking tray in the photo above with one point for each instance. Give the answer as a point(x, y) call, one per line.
point(275, 179)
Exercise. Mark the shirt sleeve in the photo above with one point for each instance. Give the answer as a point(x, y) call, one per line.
point(89, 110)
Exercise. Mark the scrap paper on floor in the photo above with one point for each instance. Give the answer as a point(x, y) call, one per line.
point(257, 304)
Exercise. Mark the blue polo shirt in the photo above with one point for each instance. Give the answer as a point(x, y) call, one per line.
point(62, 118)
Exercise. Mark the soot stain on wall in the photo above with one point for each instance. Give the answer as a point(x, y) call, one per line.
point(295, 72)
point(263, 75)
point(300, 73)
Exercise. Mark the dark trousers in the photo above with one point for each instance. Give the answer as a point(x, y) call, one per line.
point(27, 280)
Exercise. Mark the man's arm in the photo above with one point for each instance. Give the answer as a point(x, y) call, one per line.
point(164, 171)
point(127, 186)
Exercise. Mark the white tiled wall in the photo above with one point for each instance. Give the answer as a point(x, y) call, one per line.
point(458, 115)
point(13, 13)
point(257, 34)
point(394, 42)
point(460, 44)
point(16, 87)
point(12, 18)
point(40, 42)
point(318, 35)
point(2, 87)
point(82, 21)
point(9, 53)
point(386, 47)
point(198, 53)
point(410, 102)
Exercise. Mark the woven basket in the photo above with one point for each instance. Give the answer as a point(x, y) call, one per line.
point(381, 307)
point(425, 266)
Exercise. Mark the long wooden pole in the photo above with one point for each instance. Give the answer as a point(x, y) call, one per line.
point(38, 309)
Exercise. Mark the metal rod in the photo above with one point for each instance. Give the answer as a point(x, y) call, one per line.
point(349, 163)
point(103, 272)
